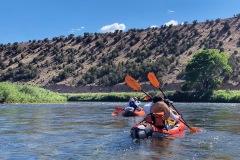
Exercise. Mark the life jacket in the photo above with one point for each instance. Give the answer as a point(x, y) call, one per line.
point(170, 121)
point(159, 113)
point(156, 119)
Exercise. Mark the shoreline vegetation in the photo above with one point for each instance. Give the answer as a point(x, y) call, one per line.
point(12, 93)
point(216, 96)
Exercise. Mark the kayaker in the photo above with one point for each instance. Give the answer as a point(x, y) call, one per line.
point(136, 100)
point(133, 103)
point(159, 108)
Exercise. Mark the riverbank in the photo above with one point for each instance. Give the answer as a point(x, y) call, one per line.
point(12, 93)
point(61, 88)
point(218, 96)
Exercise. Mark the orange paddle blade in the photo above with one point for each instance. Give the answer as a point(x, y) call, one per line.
point(146, 98)
point(152, 78)
point(131, 82)
point(115, 113)
point(194, 129)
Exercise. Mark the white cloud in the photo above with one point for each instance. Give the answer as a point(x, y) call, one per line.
point(154, 26)
point(170, 11)
point(76, 30)
point(173, 22)
point(113, 27)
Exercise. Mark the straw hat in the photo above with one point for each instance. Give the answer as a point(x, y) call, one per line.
point(160, 107)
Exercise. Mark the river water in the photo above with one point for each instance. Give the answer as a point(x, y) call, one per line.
point(86, 130)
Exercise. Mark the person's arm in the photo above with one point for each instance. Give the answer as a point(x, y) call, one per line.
point(174, 116)
point(138, 103)
point(135, 105)
point(147, 107)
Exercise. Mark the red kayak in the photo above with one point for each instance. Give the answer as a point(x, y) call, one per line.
point(141, 131)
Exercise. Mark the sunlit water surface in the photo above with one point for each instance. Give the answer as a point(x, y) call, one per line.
point(86, 130)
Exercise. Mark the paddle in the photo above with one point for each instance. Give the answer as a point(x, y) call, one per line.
point(152, 78)
point(118, 110)
point(131, 82)
point(115, 113)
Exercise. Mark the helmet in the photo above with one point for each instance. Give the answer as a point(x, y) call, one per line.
point(131, 99)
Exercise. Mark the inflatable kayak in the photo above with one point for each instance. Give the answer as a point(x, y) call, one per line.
point(141, 131)
point(128, 112)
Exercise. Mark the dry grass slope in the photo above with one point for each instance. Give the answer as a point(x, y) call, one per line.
point(69, 60)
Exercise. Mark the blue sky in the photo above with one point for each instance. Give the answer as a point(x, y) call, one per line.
point(24, 20)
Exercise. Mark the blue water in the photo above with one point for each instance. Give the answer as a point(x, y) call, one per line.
point(86, 130)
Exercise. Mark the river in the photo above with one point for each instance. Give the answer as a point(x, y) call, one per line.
point(86, 130)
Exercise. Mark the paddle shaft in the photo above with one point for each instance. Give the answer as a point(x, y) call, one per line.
point(146, 93)
point(131, 82)
point(184, 122)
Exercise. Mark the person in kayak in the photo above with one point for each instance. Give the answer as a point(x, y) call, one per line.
point(134, 103)
point(159, 113)
point(136, 100)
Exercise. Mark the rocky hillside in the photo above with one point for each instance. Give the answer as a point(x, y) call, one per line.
point(97, 59)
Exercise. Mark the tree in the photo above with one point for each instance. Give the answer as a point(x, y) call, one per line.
point(206, 70)
point(195, 22)
point(226, 26)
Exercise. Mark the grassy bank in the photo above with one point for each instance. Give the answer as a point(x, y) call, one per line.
point(218, 96)
point(12, 93)
point(110, 97)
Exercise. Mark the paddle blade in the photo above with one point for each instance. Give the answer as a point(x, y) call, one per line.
point(153, 79)
point(118, 108)
point(146, 98)
point(115, 113)
point(131, 82)
point(194, 130)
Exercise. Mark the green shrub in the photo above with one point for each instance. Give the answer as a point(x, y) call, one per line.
point(12, 93)
point(110, 97)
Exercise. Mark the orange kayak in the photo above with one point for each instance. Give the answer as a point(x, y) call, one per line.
point(141, 131)
point(128, 111)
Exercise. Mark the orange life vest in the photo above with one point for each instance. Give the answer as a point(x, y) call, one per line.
point(156, 119)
